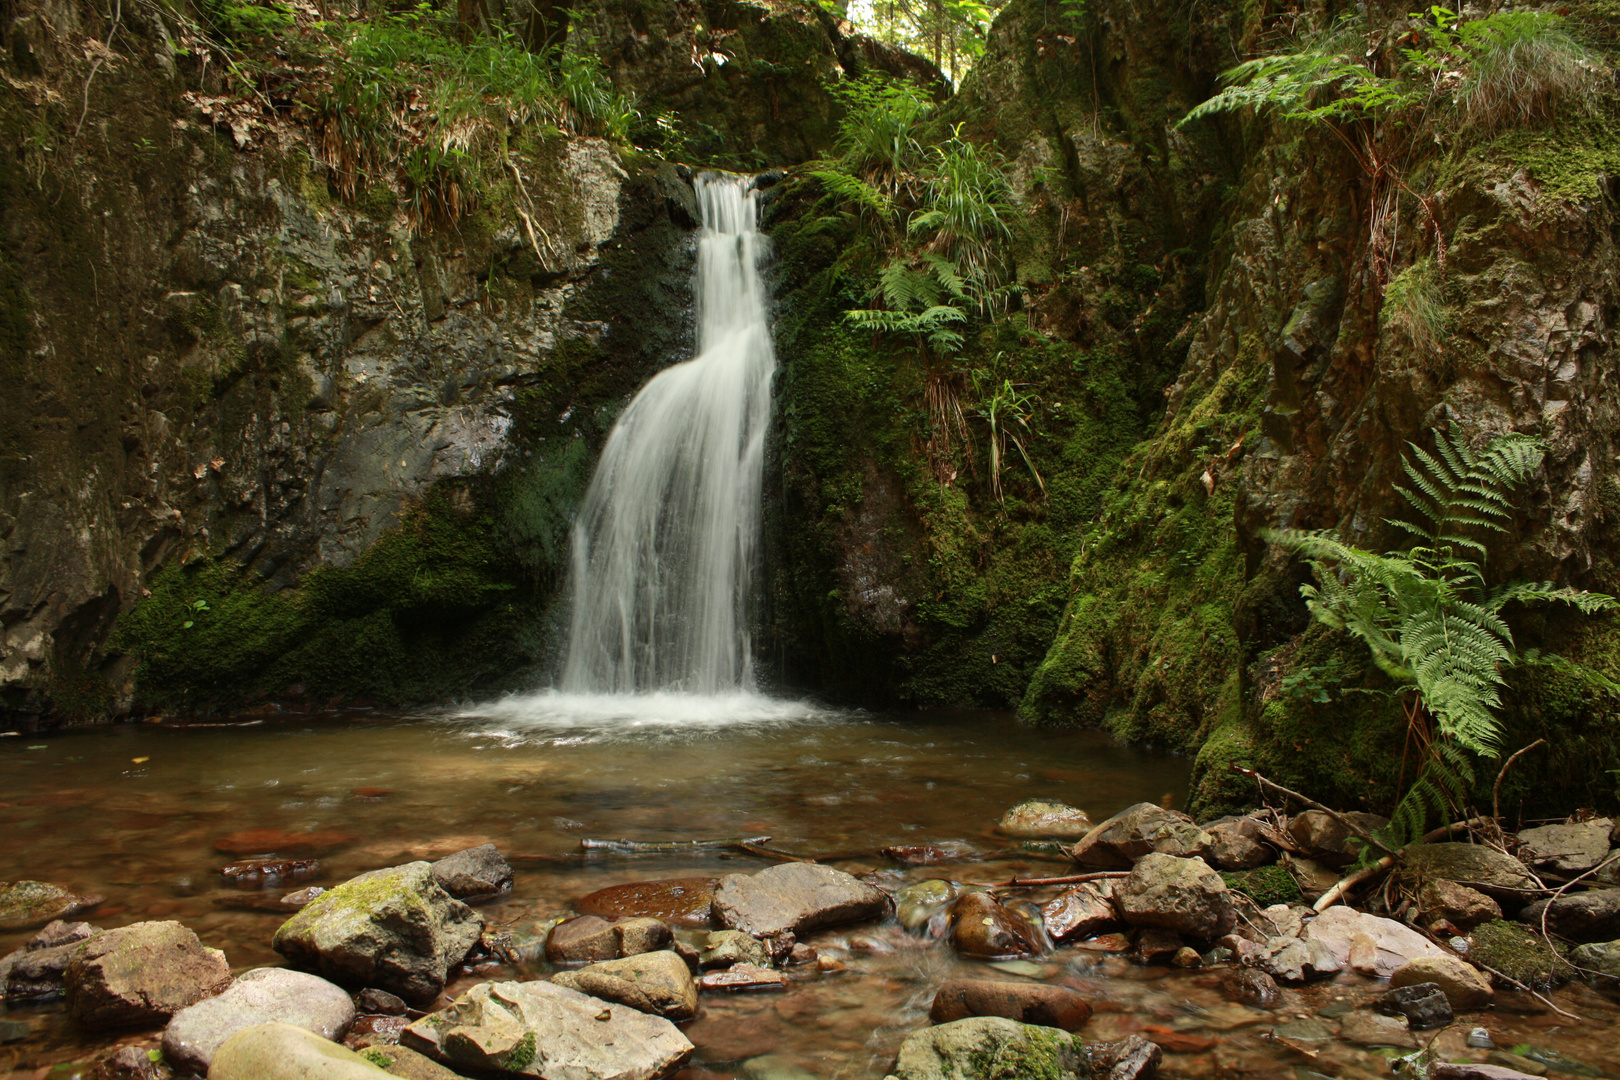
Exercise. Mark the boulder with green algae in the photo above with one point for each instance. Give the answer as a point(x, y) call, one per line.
point(33, 903)
point(393, 929)
point(1045, 819)
point(990, 1048)
point(1266, 885)
point(1502, 948)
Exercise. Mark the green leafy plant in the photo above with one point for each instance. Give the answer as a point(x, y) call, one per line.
point(1006, 409)
point(1427, 613)
point(1414, 305)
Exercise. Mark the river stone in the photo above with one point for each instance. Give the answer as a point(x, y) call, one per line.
point(1599, 958)
point(141, 974)
point(793, 898)
point(1131, 1058)
point(542, 1029)
point(379, 1003)
point(476, 873)
point(30, 903)
point(1183, 895)
point(1462, 907)
point(1327, 839)
point(1567, 849)
point(1475, 865)
point(990, 1048)
point(1042, 819)
point(1517, 953)
point(287, 1052)
point(404, 1062)
point(393, 929)
point(677, 901)
point(743, 977)
point(1376, 1029)
point(982, 926)
point(1424, 1005)
point(261, 996)
point(1249, 986)
point(918, 902)
point(1367, 944)
point(1238, 843)
point(1080, 912)
point(1136, 831)
point(1587, 916)
point(656, 982)
point(1461, 982)
point(589, 939)
point(723, 948)
point(35, 971)
point(1026, 1002)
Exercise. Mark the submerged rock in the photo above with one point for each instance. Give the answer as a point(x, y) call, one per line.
point(1042, 819)
point(982, 926)
point(141, 974)
point(677, 901)
point(743, 977)
point(1026, 1002)
point(1248, 986)
point(261, 996)
point(542, 1029)
point(990, 1048)
point(285, 1052)
point(1131, 1058)
point(1139, 830)
point(793, 898)
point(393, 929)
point(31, 903)
point(918, 902)
point(1181, 895)
point(656, 982)
point(476, 873)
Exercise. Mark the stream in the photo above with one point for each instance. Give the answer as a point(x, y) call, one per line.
point(146, 814)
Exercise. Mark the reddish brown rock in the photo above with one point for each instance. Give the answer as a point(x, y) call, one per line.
point(743, 977)
point(590, 939)
point(268, 873)
point(141, 974)
point(677, 901)
point(1028, 1003)
point(1082, 911)
point(981, 926)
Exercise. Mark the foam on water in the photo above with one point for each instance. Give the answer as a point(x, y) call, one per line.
point(554, 713)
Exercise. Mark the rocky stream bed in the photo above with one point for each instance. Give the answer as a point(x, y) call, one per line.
point(693, 920)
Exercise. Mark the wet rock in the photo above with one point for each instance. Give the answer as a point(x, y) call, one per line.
point(372, 1030)
point(1600, 958)
point(1248, 986)
point(30, 903)
point(268, 873)
point(1466, 1071)
point(676, 901)
point(1028, 1003)
point(542, 1029)
point(1329, 840)
point(392, 929)
point(1131, 1058)
point(477, 873)
point(1366, 943)
point(1424, 1005)
point(141, 974)
point(1509, 1060)
point(379, 1003)
point(1187, 957)
point(1517, 953)
point(405, 1062)
point(1458, 905)
point(286, 1052)
point(281, 842)
point(984, 1047)
point(1082, 911)
point(801, 954)
point(261, 996)
point(1586, 916)
point(1238, 843)
point(1139, 830)
point(589, 939)
point(654, 982)
point(743, 977)
point(35, 972)
point(1156, 945)
point(1567, 849)
point(1042, 819)
point(1461, 982)
point(132, 1063)
point(920, 901)
point(724, 948)
point(927, 854)
point(1376, 1029)
point(1474, 865)
point(982, 926)
point(295, 900)
point(14, 1031)
point(1183, 895)
point(793, 898)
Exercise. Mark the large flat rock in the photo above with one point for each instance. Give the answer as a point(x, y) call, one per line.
point(141, 974)
point(793, 898)
point(287, 1052)
point(262, 996)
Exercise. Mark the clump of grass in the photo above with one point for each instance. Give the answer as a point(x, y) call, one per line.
point(1522, 67)
point(1414, 305)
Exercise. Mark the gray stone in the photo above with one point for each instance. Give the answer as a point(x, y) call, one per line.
point(1137, 831)
point(990, 1048)
point(542, 1029)
point(1462, 907)
point(655, 982)
point(1367, 944)
point(261, 996)
point(1583, 916)
point(141, 974)
point(1567, 849)
point(589, 939)
point(1183, 895)
point(1376, 1029)
point(36, 971)
point(1480, 867)
point(286, 1052)
point(1330, 840)
point(1459, 980)
point(1084, 910)
point(723, 948)
point(1424, 1005)
point(1042, 819)
point(793, 898)
point(405, 1062)
point(1598, 958)
point(393, 929)
point(30, 903)
point(477, 873)
point(1239, 843)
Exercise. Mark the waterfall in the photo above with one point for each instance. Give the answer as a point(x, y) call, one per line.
point(664, 547)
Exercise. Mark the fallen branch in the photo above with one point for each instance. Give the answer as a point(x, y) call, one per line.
point(643, 847)
point(1071, 879)
point(772, 853)
point(1496, 789)
point(1350, 881)
point(1526, 989)
point(1314, 805)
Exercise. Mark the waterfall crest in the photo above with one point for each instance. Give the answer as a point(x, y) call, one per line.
point(665, 544)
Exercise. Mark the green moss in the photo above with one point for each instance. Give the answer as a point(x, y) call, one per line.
point(1568, 160)
point(377, 1057)
point(1519, 954)
point(1265, 885)
point(351, 901)
point(521, 1055)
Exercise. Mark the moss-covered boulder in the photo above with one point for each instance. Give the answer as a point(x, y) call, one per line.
point(393, 929)
point(1515, 955)
point(991, 1048)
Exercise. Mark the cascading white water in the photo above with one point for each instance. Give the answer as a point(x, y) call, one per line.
point(665, 543)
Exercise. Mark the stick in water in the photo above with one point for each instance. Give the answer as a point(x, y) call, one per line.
point(640, 847)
